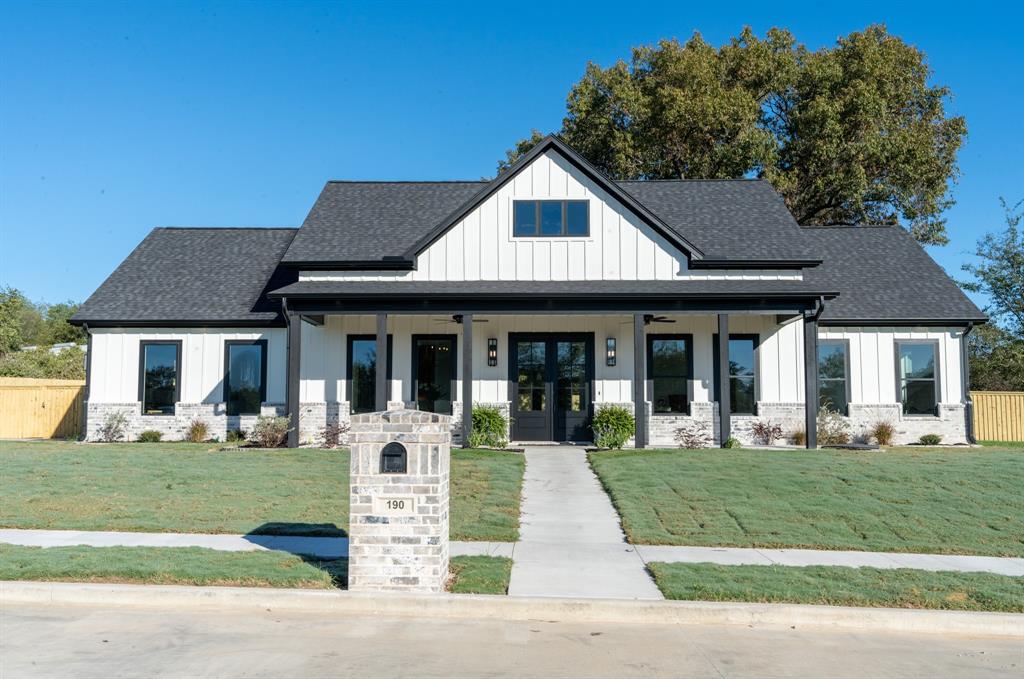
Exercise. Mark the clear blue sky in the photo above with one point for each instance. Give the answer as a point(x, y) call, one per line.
point(115, 118)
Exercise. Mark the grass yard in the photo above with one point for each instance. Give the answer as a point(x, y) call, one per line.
point(198, 566)
point(840, 586)
point(965, 501)
point(203, 488)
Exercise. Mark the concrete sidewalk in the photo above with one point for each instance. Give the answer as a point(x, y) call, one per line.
point(571, 543)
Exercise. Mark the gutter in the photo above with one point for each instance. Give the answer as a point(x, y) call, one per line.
point(965, 379)
point(88, 382)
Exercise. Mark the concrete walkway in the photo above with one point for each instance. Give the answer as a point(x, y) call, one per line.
point(571, 543)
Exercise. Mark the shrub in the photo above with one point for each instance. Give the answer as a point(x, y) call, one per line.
point(332, 434)
point(613, 426)
point(798, 437)
point(235, 436)
point(197, 431)
point(732, 443)
point(150, 436)
point(490, 428)
point(833, 429)
point(766, 433)
point(695, 435)
point(113, 427)
point(882, 432)
point(269, 431)
point(930, 440)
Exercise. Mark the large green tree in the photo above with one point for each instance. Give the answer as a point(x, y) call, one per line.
point(850, 134)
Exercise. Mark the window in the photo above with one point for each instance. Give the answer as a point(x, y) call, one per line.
point(433, 372)
point(159, 386)
point(917, 374)
point(245, 376)
point(551, 217)
point(669, 368)
point(742, 373)
point(362, 372)
point(833, 369)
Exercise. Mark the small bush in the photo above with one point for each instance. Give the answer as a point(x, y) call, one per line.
point(490, 428)
point(693, 436)
point(613, 426)
point(269, 431)
point(235, 436)
point(732, 443)
point(882, 433)
point(766, 433)
point(798, 437)
point(150, 436)
point(930, 440)
point(833, 429)
point(332, 434)
point(113, 427)
point(197, 431)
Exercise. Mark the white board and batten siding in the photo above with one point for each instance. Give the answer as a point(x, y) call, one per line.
point(114, 372)
point(482, 247)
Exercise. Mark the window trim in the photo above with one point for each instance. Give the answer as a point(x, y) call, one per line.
point(846, 377)
point(349, 341)
point(227, 372)
point(537, 217)
point(415, 362)
point(649, 382)
point(142, 375)
point(717, 388)
point(897, 343)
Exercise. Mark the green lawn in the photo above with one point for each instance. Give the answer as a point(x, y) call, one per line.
point(963, 501)
point(186, 487)
point(198, 566)
point(840, 586)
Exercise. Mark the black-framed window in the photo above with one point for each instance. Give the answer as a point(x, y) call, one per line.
point(834, 375)
point(245, 376)
point(159, 376)
point(434, 361)
point(362, 372)
point(669, 371)
point(742, 373)
point(917, 376)
point(551, 218)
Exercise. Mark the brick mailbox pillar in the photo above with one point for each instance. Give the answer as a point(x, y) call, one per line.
point(398, 519)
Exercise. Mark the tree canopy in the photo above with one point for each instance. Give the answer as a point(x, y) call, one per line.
point(22, 323)
point(851, 134)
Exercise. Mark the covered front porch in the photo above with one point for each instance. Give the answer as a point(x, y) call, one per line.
point(550, 363)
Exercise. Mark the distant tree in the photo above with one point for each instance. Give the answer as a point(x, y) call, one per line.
point(1000, 274)
point(41, 363)
point(12, 306)
point(57, 327)
point(851, 134)
point(24, 323)
point(997, 359)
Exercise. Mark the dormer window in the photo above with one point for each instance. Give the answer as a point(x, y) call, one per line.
point(551, 218)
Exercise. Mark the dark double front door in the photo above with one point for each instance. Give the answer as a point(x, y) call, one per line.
point(551, 377)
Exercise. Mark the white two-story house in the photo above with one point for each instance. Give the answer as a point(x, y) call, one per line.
point(549, 292)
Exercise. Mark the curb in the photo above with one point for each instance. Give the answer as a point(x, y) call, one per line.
point(515, 608)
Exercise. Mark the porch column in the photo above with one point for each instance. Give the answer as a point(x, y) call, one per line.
point(294, 351)
point(724, 395)
point(381, 374)
point(467, 378)
point(639, 381)
point(811, 379)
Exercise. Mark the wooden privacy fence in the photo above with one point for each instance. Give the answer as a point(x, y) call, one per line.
point(998, 415)
point(31, 408)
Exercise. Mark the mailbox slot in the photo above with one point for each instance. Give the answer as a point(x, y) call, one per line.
point(394, 459)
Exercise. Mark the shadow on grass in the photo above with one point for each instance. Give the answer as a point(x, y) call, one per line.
point(317, 530)
point(336, 568)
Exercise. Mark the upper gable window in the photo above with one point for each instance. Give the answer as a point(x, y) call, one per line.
point(551, 218)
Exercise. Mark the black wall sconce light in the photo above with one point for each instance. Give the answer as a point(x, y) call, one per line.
point(609, 357)
point(492, 351)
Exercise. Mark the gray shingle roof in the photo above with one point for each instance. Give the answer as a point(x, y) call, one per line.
point(208, 275)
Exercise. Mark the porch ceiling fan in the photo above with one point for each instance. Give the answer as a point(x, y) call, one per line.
point(652, 318)
point(457, 318)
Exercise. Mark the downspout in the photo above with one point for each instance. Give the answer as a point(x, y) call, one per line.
point(84, 433)
point(965, 377)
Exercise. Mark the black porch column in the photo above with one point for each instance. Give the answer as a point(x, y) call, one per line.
point(292, 390)
point(467, 378)
point(724, 394)
point(811, 379)
point(381, 373)
point(639, 381)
